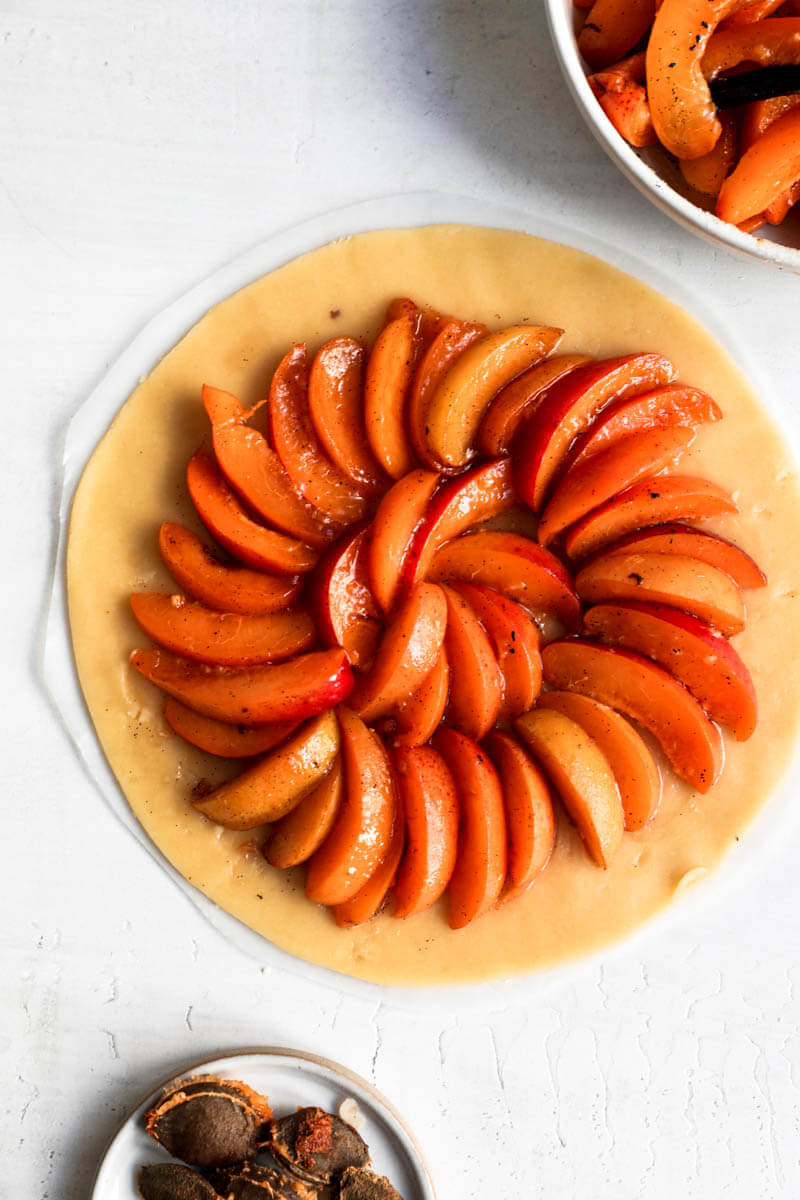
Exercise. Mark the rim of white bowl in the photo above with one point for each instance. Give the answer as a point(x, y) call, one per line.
point(643, 176)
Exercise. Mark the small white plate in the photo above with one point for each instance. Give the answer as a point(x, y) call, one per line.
point(290, 1079)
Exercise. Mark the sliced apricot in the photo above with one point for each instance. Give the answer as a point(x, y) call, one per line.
point(513, 565)
point(225, 588)
point(430, 804)
point(476, 684)
point(482, 852)
point(518, 399)
point(257, 475)
point(568, 409)
point(222, 407)
point(417, 717)
point(452, 339)
point(458, 504)
point(515, 640)
point(295, 837)
point(359, 839)
point(406, 655)
point(581, 775)
point(702, 659)
point(336, 405)
point(248, 696)
point(694, 543)
point(221, 639)
point(649, 695)
point(399, 513)
point(457, 405)
point(315, 477)
point(220, 738)
point(223, 515)
point(370, 898)
point(529, 813)
point(632, 765)
point(649, 502)
point(662, 408)
point(609, 472)
point(276, 783)
point(685, 583)
point(764, 172)
point(344, 608)
point(613, 29)
point(390, 367)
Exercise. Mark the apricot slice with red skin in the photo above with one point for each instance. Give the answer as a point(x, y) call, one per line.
point(513, 565)
point(695, 587)
point(453, 338)
point(225, 588)
point(220, 738)
point(694, 543)
point(609, 472)
point(482, 852)
point(359, 839)
point(430, 804)
point(457, 406)
point(568, 409)
point(649, 502)
point(518, 399)
point(417, 717)
point(515, 640)
point(581, 775)
point(702, 659)
point(221, 639)
point(390, 367)
point(314, 476)
point(276, 783)
point(632, 765)
point(295, 837)
point(343, 605)
point(370, 898)
point(662, 408)
point(336, 405)
point(529, 813)
point(224, 516)
point(249, 696)
point(257, 475)
point(476, 684)
point(399, 513)
point(612, 30)
point(649, 695)
point(458, 504)
point(406, 655)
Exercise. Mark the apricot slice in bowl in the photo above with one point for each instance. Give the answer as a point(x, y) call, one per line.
point(515, 640)
point(476, 684)
point(608, 472)
point(580, 774)
point(649, 502)
point(462, 397)
point(702, 659)
point(513, 565)
point(224, 516)
point(482, 854)
point(295, 837)
point(694, 543)
point(430, 804)
point(287, 691)
point(649, 695)
point(529, 813)
point(276, 783)
point(685, 583)
point(359, 839)
point(221, 639)
point(225, 588)
point(569, 408)
point(632, 765)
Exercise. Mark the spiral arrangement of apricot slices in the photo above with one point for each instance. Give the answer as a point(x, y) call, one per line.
point(376, 642)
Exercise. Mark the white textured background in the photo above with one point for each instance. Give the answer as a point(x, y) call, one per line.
point(141, 145)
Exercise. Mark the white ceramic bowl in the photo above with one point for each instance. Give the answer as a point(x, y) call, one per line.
point(652, 170)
